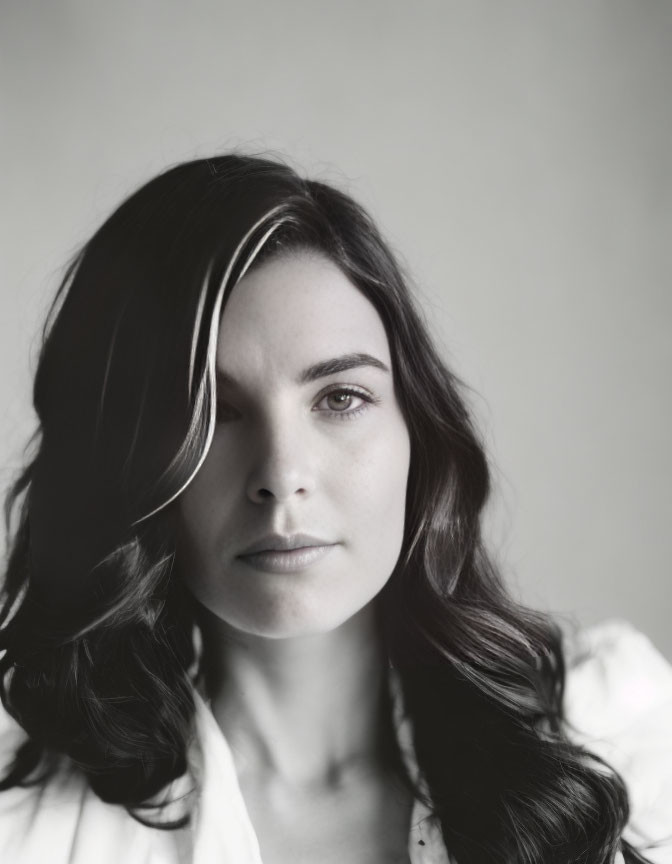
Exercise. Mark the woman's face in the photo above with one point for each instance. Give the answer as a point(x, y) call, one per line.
point(299, 448)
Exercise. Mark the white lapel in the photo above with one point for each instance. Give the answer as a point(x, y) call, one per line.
point(223, 831)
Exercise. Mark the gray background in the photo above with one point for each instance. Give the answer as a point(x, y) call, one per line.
point(517, 155)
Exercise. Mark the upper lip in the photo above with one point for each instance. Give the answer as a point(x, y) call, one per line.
point(281, 543)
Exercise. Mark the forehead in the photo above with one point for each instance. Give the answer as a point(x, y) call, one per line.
point(291, 311)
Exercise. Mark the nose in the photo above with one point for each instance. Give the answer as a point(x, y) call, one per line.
point(280, 466)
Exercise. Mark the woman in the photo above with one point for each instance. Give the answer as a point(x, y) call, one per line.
point(247, 599)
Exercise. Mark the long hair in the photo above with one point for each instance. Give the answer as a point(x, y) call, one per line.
point(96, 626)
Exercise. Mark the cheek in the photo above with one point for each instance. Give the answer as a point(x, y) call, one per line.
point(205, 508)
point(375, 489)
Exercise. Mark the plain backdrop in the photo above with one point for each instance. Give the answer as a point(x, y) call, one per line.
point(518, 156)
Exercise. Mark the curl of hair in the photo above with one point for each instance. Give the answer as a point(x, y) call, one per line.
point(112, 692)
point(96, 628)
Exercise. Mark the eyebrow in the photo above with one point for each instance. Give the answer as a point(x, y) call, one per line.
point(323, 368)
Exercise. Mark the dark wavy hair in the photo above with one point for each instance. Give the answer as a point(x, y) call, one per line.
point(96, 628)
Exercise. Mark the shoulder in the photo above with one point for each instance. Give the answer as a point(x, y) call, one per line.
point(63, 822)
point(618, 704)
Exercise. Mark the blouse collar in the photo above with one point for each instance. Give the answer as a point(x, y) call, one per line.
point(226, 833)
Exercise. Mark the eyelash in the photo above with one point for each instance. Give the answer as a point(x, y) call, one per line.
point(368, 399)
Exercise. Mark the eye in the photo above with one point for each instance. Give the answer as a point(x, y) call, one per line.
point(343, 403)
point(339, 402)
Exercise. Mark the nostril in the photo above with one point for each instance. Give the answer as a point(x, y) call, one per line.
point(265, 494)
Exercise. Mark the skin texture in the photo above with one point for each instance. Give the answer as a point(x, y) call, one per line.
point(293, 664)
point(284, 459)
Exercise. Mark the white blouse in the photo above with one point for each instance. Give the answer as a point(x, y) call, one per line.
point(618, 701)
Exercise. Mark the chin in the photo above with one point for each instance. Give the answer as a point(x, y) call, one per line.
point(293, 622)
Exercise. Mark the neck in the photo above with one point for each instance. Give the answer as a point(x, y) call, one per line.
point(305, 710)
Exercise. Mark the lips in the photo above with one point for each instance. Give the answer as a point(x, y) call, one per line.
point(289, 561)
point(283, 543)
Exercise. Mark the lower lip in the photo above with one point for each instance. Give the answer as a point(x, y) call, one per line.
point(288, 561)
